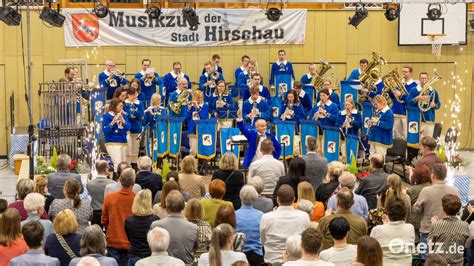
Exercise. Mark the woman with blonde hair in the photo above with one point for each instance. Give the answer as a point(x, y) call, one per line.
point(381, 127)
point(12, 243)
point(197, 110)
point(329, 188)
point(137, 226)
point(159, 209)
point(189, 181)
point(194, 212)
point(41, 187)
point(65, 244)
point(306, 192)
point(220, 250)
point(221, 101)
point(232, 177)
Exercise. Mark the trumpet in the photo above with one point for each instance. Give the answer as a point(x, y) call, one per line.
point(149, 78)
point(182, 99)
point(424, 105)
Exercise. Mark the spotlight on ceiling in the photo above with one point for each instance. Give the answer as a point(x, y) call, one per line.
point(190, 16)
point(360, 14)
point(10, 16)
point(273, 13)
point(434, 11)
point(392, 12)
point(100, 10)
point(52, 17)
point(153, 12)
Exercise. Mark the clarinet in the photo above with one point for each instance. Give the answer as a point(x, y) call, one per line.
point(370, 123)
point(349, 119)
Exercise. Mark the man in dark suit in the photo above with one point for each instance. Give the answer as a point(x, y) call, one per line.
point(56, 180)
point(374, 183)
point(147, 179)
point(255, 137)
point(316, 166)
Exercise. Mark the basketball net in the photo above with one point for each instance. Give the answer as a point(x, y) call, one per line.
point(436, 45)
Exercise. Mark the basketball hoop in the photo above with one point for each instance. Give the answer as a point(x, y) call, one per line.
point(436, 43)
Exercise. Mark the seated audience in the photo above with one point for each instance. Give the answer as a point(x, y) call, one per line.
point(296, 174)
point(57, 181)
point(311, 239)
point(3, 205)
point(226, 215)
point(419, 179)
point(217, 189)
point(137, 225)
point(194, 212)
point(81, 208)
point(293, 248)
point(220, 250)
point(248, 223)
point(449, 231)
point(428, 151)
point(96, 188)
point(146, 178)
point(24, 187)
point(12, 243)
point(189, 181)
point(114, 187)
point(316, 166)
point(34, 206)
point(329, 187)
point(369, 252)
point(345, 200)
point(183, 234)
point(158, 240)
point(306, 192)
point(341, 253)
point(33, 234)
point(395, 236)
point(360, 207)
point(374, 183)
point(262, 203)
point(434, 259)
point(65, 244)
point(93, 245)
point(159, 209)
point(41, 187)
point(232, 177)
point(278, 225)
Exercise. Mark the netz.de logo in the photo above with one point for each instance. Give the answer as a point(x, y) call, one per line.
point(399, 246)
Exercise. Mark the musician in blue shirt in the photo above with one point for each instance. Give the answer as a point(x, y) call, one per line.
point(221, 101)
point(215, 61)
point(332, 95)
point(197, 110)
point(291, 108)
point(380, 127)
point(281, 67)
point(245, 60)
point(170, 80)
point(363, 63)
point(325, 111)
point(303, 97)
point(255, 107)
point(208, 80)
point(257, 82)
point(111, 78)
point(244, 81)
point(135, 84)
point(306, 81)
point(350, 119)
point(430, 101)
point(154, 111)
point(183, 108)
point(148, 80)
point(134, 109)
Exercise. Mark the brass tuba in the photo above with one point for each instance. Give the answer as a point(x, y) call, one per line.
point(318, 80)
point(372, 72)
point(425, 105)
point(393, 83)
point(176, 106)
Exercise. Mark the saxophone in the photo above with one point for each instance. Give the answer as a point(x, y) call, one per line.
point(425, 105)
point(393, 83)
point(182, 99)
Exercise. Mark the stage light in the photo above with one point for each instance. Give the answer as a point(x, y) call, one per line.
point(471, 22)
point(10, 16)
point(360, 14)
point(392, 12)
point(153, 12)
point(190, 16)
point(100, 10)
point(434, 11)
point(52, 16)
point(273, 13)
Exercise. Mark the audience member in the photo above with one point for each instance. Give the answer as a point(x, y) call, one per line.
point(117, 207)
point(137, 225)
point(449, 232)
point(226, 215)
point(41, 187)
point(120, 167)
point(427, 149)
point(158, 240)
point(316, 166)
point(146, 178)
point(159, 209)
point(220, 250)
point(434, 259)
point(307, 207)
point(296, 174)
point(360, 207)
point(369, 252)
point(329, 187)
point(293, 248)
point(12, 243)
point(420, 178)
point(372, 184)
point(34, 206)
point(183, 234)
point(278, 225)
point(341, 253)
point(82, 208)
point(217, 189)
point(114, 187)
point(311, 239)
point(233, 179)
point(33, 234)
point(345, 200)
point(3, 205)
point(93, 245)
point(96, 188)
point(24, 187)
point(395, 236)
point(194, 212)
point(306, 192)
point(262, 203)
point(248, 223)
point(189, 181)
point(56, 181)
point(171, 176)
point(267, 168)
point(88, 261)
point(65, 244)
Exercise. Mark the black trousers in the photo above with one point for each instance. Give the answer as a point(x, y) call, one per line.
point(96, 214)
point(254, 259)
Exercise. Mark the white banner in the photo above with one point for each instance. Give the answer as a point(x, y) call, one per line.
point(218, 26)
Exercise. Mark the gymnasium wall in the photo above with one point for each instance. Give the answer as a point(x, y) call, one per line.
point(327, 37)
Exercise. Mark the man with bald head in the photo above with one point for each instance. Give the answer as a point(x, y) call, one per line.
point(374, 183)
point(182, 87)
point(171, 80)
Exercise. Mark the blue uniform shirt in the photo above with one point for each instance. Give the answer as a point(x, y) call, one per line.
point(355, 74)
point(170, 82)
point(227, 98)
point(354, 125)
point(202, 112)
point(382, 131)
point(148, 87)
point(279, 68)
point(184, 106)
point(331, 117)
point(428, 116)
point(106, 83)
point(263, 91)
point(206, 90)
point(135, 111)
point(115, 133)
point(261, 104)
